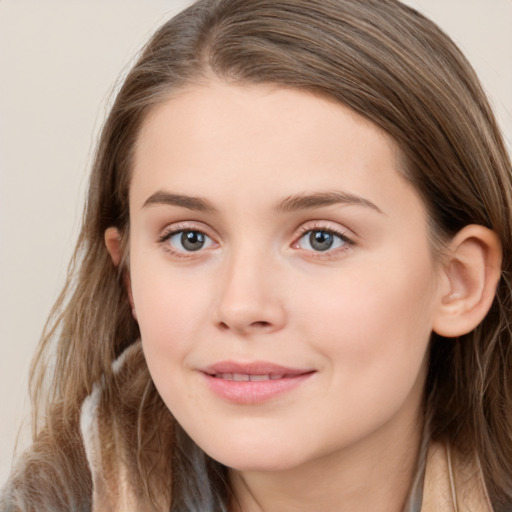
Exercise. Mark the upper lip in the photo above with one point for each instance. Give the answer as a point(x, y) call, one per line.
point(253, 368)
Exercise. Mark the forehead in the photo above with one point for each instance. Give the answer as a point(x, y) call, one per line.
point(222, 140)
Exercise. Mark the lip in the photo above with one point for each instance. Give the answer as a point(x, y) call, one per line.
point(253, 383)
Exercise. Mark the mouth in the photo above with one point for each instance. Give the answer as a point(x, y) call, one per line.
point(253, 383)
point(246, 377)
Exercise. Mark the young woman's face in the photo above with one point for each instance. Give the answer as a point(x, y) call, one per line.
point(281, 275)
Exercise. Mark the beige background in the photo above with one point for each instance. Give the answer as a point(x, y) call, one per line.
point(59, 62)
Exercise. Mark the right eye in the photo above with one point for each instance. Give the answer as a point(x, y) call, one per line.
point(188, 240)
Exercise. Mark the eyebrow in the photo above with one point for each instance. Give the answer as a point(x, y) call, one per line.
point(292, 203)
point(192, 203)
point(320, 199)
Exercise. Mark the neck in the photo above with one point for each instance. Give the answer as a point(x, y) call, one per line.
point(375, 474)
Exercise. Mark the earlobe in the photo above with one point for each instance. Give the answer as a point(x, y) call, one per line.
point(471, 272)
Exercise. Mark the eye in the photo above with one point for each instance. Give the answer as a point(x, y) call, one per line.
point(189, 240)
point(321, 240)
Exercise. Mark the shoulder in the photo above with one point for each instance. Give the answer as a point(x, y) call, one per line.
point(51, 476)
point(103, 464)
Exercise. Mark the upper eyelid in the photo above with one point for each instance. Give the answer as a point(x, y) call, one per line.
point(320, 227)
point(331, 226)
point(334, 232)
point(177, 227)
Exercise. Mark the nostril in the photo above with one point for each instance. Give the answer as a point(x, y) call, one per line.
point(252, 326)
point(260, 324)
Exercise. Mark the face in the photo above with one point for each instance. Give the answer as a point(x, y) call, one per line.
point(281, 275)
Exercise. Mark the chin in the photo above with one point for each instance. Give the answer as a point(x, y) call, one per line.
point(264, 458)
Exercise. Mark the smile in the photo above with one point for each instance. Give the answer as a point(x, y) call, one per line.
point(254, 383)
point(245, 377)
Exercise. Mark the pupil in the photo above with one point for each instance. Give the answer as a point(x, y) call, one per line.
point(321, 240)
point(192, 240)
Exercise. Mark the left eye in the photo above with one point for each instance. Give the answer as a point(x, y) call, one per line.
point(321, 240)
point(189, 241)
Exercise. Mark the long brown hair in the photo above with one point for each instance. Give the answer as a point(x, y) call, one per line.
point(386, 62)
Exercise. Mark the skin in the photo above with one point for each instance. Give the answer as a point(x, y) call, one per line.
point(358, 316)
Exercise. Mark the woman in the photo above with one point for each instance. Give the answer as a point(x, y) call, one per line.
point(374, 113)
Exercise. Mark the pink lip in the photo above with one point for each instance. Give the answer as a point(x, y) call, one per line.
point(270, 380)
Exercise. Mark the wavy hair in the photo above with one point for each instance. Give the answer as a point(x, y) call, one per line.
point(389, 64)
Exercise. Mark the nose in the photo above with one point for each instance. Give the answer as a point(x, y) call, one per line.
point(250, 296)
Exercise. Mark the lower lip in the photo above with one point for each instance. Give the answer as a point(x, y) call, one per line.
point(254, 392)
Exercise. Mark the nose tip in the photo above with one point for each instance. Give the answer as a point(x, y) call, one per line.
point(249, 300)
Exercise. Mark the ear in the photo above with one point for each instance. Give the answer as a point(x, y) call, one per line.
point(114, 247)
point(471, 275)
point(113, 243)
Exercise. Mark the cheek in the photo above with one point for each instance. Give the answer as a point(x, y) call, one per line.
point(170, 310)
point(374, 339)
point(376, 323)
point(170, 316)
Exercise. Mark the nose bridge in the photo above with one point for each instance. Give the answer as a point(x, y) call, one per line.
point(249, 296)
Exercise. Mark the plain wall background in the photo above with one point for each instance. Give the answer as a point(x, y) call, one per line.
point(59, 63)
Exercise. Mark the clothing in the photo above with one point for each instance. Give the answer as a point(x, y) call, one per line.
point(448, 485)
point(444, 483)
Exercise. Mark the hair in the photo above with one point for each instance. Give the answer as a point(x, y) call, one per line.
point(392, 66)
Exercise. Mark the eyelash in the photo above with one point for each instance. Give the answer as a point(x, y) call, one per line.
point(328, 253)
point(174, 230)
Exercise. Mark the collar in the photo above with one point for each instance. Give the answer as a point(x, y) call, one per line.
point(452, 484)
